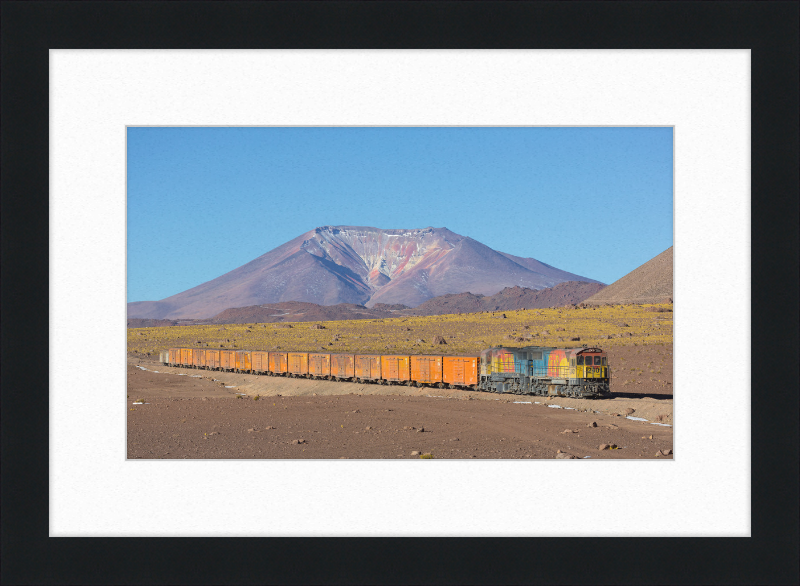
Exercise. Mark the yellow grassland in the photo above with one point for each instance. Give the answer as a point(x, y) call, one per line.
point(467, 333)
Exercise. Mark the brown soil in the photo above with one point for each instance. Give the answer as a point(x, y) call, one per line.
point(196, 416)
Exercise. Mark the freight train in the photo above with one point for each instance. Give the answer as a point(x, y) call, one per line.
point(531, 370)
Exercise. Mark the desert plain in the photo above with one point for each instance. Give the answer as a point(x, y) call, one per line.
point(179, 413)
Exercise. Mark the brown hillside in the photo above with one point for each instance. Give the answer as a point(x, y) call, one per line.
point(510, 298)
point(295, 311)
point(137, 322)
point(650, 283)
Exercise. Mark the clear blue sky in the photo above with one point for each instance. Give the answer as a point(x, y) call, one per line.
point(203, 201)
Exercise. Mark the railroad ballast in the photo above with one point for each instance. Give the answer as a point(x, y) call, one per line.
point(530, 370)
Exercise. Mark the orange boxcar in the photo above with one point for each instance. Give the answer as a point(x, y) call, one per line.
point(174, 355)
point(243, 361)
point(186, 357)
point(279, 362)
point(227, 359)
point(426, 369)
point(212, 359)
point(198, 358)
point(396, 368)
point(259, 361)
point(298, 363)
point(460, 371)
point(368, 366)
point(343, 365)
point(319, 364)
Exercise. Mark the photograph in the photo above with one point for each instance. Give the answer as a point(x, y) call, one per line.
point(399, 292)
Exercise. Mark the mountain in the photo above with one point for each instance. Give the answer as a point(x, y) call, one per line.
point(360, 265)
point(650, 283)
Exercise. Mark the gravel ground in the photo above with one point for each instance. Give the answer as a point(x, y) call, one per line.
point(188, 414)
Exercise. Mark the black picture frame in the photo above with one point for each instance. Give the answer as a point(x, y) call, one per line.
point(768, 29)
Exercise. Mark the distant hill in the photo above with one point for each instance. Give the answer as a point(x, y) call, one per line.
point(298, 311)
point(650, 283)
point(359, 265)
point(510, 298)
point(138, 322)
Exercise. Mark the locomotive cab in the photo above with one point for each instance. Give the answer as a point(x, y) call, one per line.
point(589, 363)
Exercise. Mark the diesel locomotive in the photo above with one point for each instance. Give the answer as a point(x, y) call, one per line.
point(531, 370)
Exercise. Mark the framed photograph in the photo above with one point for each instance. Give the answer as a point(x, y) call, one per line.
point(79, 76)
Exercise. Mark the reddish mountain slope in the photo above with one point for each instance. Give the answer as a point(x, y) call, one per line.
point(363, 266)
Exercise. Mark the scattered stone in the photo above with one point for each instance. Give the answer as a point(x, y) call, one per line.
point(317, 327)
point(569, 431)
point(369, 427)
point(269, 427)
point(251, 430)
point(454, 439)
point(415, 453)
point(666, 452)
point(420, 341)
point(628, 411)
point(357, 411)
point(563, 456)
point(299, 441)
point(603, 447)
point(576, 339)
point(439, 340)
point(592, 424)
point(421, 429)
